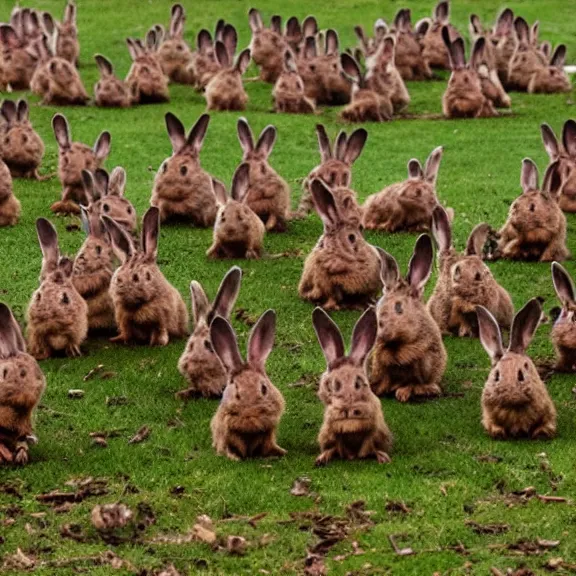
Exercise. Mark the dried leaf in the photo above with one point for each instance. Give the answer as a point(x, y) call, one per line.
point(397, 550)
point(116, 400)
point(255, 519)
point(88, 487)
point(19, 561)
point(487, 528)
point(301, 486)
point(203, 534)
point(93, 372)
point(243, 316)
point(314, 565)
point(358, 514)
point(108, 517)
point(100, 441)
point(397, 506)
point(140, 436)
point(73, 531)
point(548, 543)
point(236, 545)
point(169, 570)
point(554, 564)
point(489, 458)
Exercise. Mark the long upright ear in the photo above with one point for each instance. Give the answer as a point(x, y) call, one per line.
point(293, 28)
point(102, 145)
point(48, 239)
point(150, 232)
point(8, 37)
point(230, 40)
point(477, 240)
point(490, 335)
point(197, 134)
point(122, 244)
point(225, 344)
point(529, 175)
point(222, 55)
point(245, 135)
point(522, 30)
point(219, 191)
point(89, 186)
point(569, 137)
point(323, 143)
point(504, 24)
point(290, 62)
point(176, 132)
point(475, 25)
point(332, 42)
point(457, 53)
point(442, 12)
point(102, 181)
point(524, 325)
point(364, 336)
point(324, 203)
point(553, 180)
point(310, 49)
point(200, 303)
point(420, 266)
point(255, 20)
point(152, 40)
point(441, 229)
point(350, 67)
point(204, 41)
point(415, 169)
point(355, 145)
point(8, 111)
point(361, 35)
point(240, 182)
point(534, 30)
point(433, 165)
point(61, 131)
point(23, 111)
point(48, 23)
point(70, 13)
point(227, 293)
point(340, 145)
point(422, 27)
point(104, 65)
point(309, 26)
point(243, 61)
point(276, 24)
point(478, 53)
point(559, 57)
point(219, 29)
point(261, 339)
point(389, 269)
point(117, 182)
point(266, 141)
point(329, 335)
point(550, 141)
point(563, 284)
point(11, 340)
point(177, 19)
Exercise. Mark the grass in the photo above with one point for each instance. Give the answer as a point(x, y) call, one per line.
point(436, 468)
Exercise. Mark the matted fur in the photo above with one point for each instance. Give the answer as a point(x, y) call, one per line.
point(110, 91)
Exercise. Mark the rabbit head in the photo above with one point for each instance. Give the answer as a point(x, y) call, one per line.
point(174, 53)
point(67, 35)
point(289, 81)
point(64, 84)
point(564, 330)
point(551, 78)
point(267, 45)
point(110, 90)
point(18, 60)
point(463, 77)
point(256, 155)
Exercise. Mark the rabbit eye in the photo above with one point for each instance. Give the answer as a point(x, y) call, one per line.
point(24, 138)
point(183, 170)
point(7, 140)
point(312, 67)
point(164, 167)
point(497, 376)
point(129, 210)
point(106, 208)
point(398, 307)
point(22, 373)
point(532, 207)
point(526, 365)
point(208, 346)
point(478, 277)
point(98, 250)
point(148, 276)
point(352, 238)
point(240, 218)
point(38, 297)
point(337, 385)
point(264, 389)
point(5, 373)
point(135, 277)
point(359, 383)
point(520, 376)
point(65, 299)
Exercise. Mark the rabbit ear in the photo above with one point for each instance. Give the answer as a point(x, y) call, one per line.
point(553, 180)
point(177, 19)
point(85, 217)
point(546, 49)
point(245, 135)
point(559, 57)
point(204, 41)
point(152, 40)
point(478, 51)
point(310, 49)
point(48, 238)
point(122, 244)
point(266, 141)
point(309, 26)
point(255, 20)
point(441, 229)
point(323, 143)
point(8, 37)
point(433, 165)
point(230, 40)
point(293, 28)
point(389, 269)
point(89, 186)
point(102, 181)
point(422, 27)
point(415, 169)
point(550, 141)
point(243, 61)
point(290, 61)
point(524, 325)
point(261, 339)
point(225, 344)
point(61, 131)
point(66, 266)
point(359, 31)
point(240, 182)
point(70, 13)
point(150, 232)
point(104, 65)
point(340, 145)
point(354, 146)
point(350, 67)
point(475, 25)
point(329, 336)
point(324, 203)
point(569, 137)
point(222, 54)
point(102, 145)
point(505, 23)
point(219, 191)
point(522, 30)
point(490, 335)
point(200, 303)
point(534, 32)
point(363, 336)
point(227, 293)
point(420, 266)
point(219, 29)
point(197, 134)
point(22, 111)
point(457, 53)
point(11, 340)
point(276, 24)
point(332, 43)
point(563, 284)
point(387, 49)
point(442, 12)
point(529, 176)
point(8, 111)
point(477, 240)
point(48, 23)
point(117, 182)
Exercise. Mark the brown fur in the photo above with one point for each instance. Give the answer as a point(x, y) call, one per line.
point(551, 79)
point(110, 91)
point(267, 48)
point(204, 63)
point(564, 329)
point(289, 93)
point(9, 204)
point(66, 36)
point(526, 60)
point(434, 50)
point(225, 90)
point(409, 59)
point(16, 60)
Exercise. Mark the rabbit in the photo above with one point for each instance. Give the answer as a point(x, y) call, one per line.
point(9, 204)
point(238, 231)
point(552, 78)
point(268, 194)
point(174, 53)
point(146, 80)
point(21, 147)
point(526, 61)
point(147, 307)
point(503, 40)
point(565, 153)
point(73, 157)
point(464, 281)
point(94, 266)
point(406, 206)
point(367, 105)
point(335, 165)
point(515, 401)
point(289, 92)
point(65, 34)
point(199, 364)
point(247, 418)
point(267, 46)
point(536, 226)
point(463, 97)
point(309, 67)
point(354, 425)
point(408, 58)
point(110, 91)
point(225, 90)
point(204, 64)
point(409, 358)
point(564, 329)
point(43, 50)
point(369, 46)
point(17, 59)
point(294, 32)
point(181, 187)
point(57, 314)
point(22, 384)
point(343, 270)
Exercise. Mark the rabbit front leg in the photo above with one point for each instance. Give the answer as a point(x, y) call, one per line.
point(21, 453)
point(544, 431)
point(125, 328)
point(370, 449)
point(5, 454)
point(270, 447)
point(494, 430)
point(554, 251)
point(159, 336)
point(37, 345)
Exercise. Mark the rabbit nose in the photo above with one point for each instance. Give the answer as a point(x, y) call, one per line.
point(356, 413)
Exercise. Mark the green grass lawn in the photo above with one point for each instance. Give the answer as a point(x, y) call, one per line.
point(445, 469)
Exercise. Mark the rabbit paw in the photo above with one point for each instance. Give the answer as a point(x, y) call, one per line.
point(497, 432)
point(231, 456)
point(544, 432)
point(324, 458)
point(404, 394)
point(73, 351)
point(275, 450)
point(159, 338)
point(252, 255)
point(383, 457)
point(5, 454)
point(21, 453)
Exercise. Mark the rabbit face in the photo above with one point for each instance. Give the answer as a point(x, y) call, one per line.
point(510, 382)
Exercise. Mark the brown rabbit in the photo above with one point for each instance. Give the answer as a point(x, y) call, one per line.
point(434, 49)
point(335, 165)
point(368, 46)
point(565, 153)
point(353, 425)
point(406, 206)
point(21, 387)
point(464, 282)
point(199, 364)
point(564, 330)
point(515, 401)
point(181, 187)
point(552, 78)
point(267, 46)
point(9, 204)
point(65, 34)
point(147, 307)
point(536, 226)
point(289, 92)
point(225, 90)
point(238, 231)
point(337, 89)
point(204, 63)
point(21, 147)
point(94, 266)
point(17, 60)
point(57, 314)
point(268, 194)
point(343, 270)
point(526, 61)
point(464, 97)
point(110, 91)
point(409, 358)
point(247, 418)
point(503, 40)
point(73, 157)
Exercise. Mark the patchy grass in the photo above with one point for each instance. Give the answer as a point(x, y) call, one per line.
point(444, 470)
